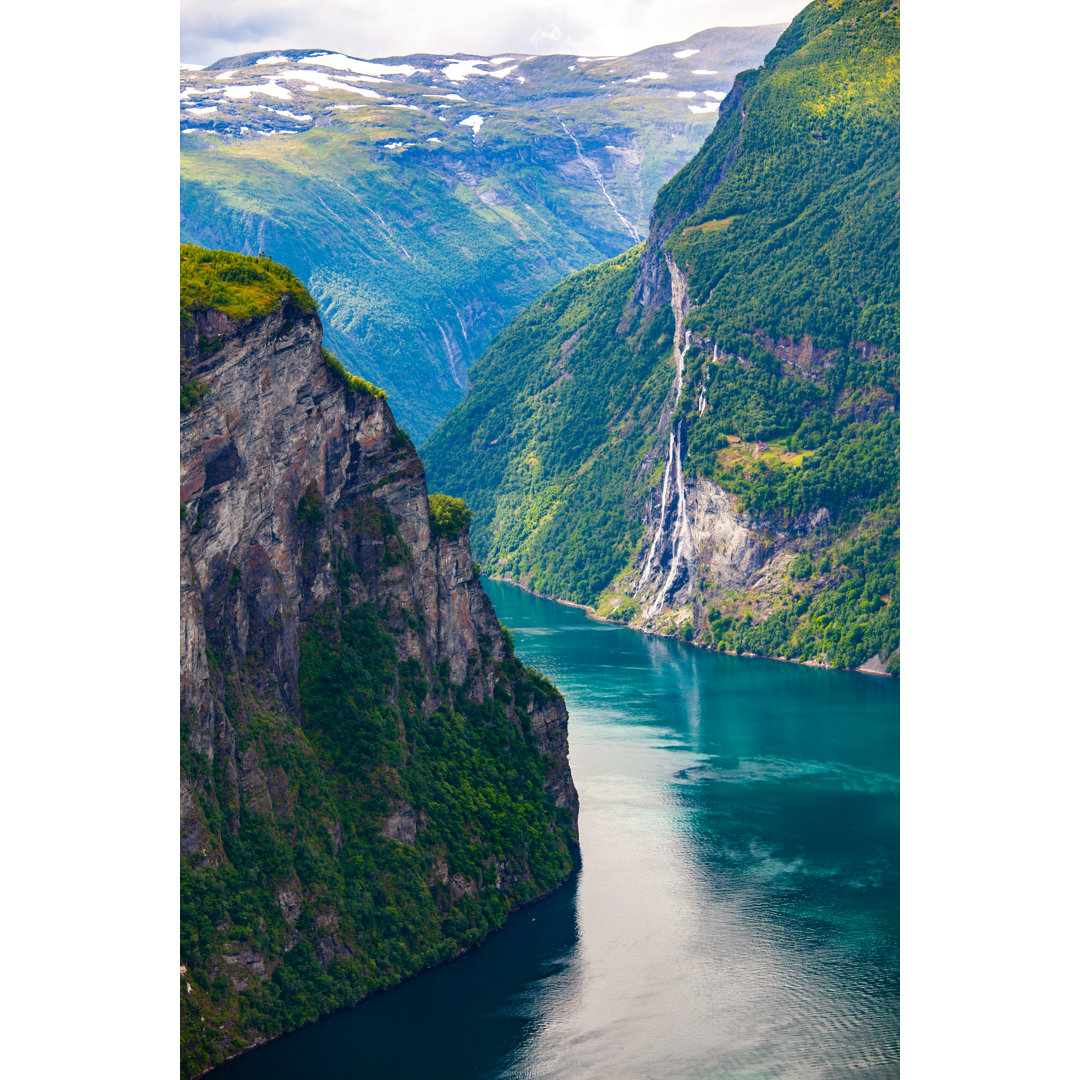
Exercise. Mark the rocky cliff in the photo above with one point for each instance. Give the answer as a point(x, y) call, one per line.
point(370, 780)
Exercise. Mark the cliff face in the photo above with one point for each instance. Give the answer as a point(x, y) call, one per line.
point(370, 780)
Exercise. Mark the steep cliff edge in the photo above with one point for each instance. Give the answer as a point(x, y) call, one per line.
point(370, 780)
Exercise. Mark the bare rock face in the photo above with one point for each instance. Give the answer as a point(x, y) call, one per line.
point(299, 495)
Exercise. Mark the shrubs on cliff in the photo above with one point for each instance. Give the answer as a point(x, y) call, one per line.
point(448, 516)
point(354, 384)
point(192, 391)
point(240, 286)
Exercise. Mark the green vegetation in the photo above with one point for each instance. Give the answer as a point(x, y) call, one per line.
point(353, 383)
point(192, 391)
point(473, 787)
point(240, 286)
point(813, 191)
point(448, 516)
point(786, 225)
point(848, 612)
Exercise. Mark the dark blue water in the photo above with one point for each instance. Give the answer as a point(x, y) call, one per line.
point(736, 914)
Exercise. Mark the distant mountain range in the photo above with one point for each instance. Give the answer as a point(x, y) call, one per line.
point(425, 200)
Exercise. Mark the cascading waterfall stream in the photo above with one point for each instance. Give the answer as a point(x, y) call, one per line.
point(680, 534)
point(594, 172)
point(647, 572)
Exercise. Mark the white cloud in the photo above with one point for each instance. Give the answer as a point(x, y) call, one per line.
point(211, 30)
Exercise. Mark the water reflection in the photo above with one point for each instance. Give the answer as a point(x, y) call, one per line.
point(718, 935)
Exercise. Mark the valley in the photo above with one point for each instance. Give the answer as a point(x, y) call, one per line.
point(425, 200)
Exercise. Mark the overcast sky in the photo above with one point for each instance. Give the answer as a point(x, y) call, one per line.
point(212, 29)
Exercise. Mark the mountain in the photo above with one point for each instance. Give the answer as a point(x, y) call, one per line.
point(370, 781)
point(426, 199)
point(700, 437)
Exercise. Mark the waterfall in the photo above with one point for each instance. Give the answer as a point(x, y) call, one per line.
point(594, 172)
point(680, 534)
point(647, 572)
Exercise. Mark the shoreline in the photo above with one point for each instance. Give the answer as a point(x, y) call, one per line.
point(590, 613)
point(575, 870)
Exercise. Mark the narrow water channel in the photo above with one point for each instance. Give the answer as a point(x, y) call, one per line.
point(736, 914)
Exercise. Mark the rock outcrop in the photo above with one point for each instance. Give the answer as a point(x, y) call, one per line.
point(316, 834)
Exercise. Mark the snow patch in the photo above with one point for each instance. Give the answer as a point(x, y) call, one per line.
point(201, 110)
point(273, 60)
point(269, 89)
point(435, 139)
point(682, 54)
point(319, 79)
point(191, 67)
point(392, 145)
point(704, 71)
point(501, 59)
point(457, 70)
point(291, 115)
point(191, 92)
point(475, 122)
point(649, 75)
point(709, 106)
point(226, 75)
point(340, 62)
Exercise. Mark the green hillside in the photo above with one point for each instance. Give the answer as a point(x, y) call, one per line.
point(785, 226)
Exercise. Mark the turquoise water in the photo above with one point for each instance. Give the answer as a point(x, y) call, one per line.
point(736, 914)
